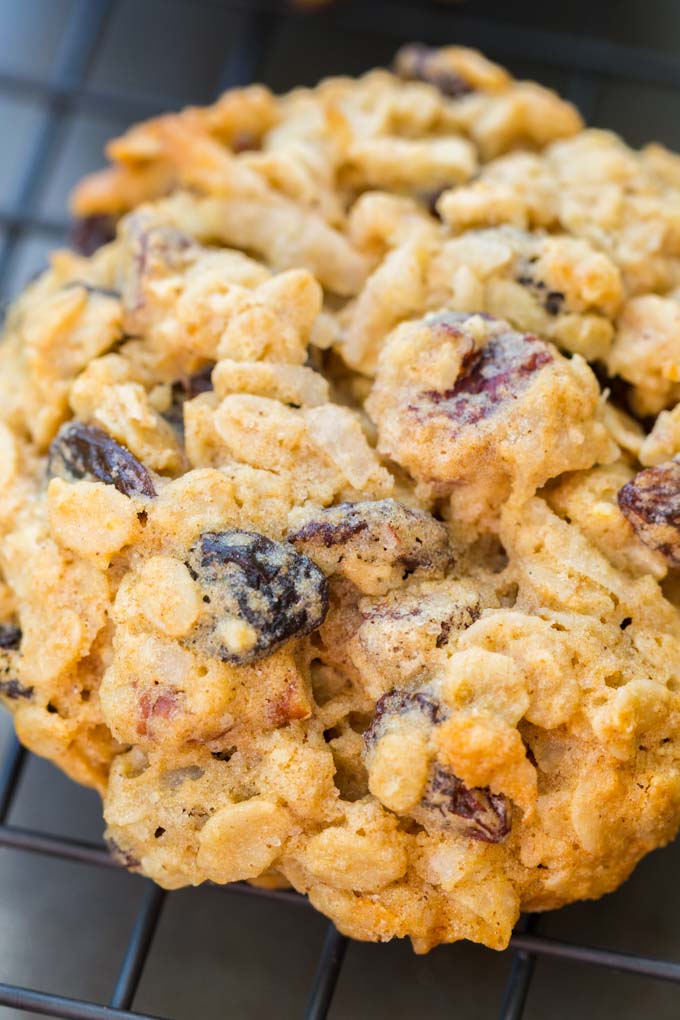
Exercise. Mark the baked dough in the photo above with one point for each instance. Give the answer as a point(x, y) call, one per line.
point(326, 556)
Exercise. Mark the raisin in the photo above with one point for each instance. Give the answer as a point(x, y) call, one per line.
point(651, 502)
point(620, 391)
point(90, 233)
point(10, 637)
point(262, 593)
point(382, 534)
point(449, 802)
point(186, 389)
point(489, 377)
point(85, 451)
point(554, 300)
point(420, 63)
point(332, 527)
point(125, 858)
point(225, 755)
point(401, 630)
point(398, 702)
point(14, 690)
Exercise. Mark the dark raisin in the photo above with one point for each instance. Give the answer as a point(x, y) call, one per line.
point(489, 377)
point(420, 63)
point(383, 533)
point(251, 579)
point(620, 391)
point(85, 451)
point(10, 637)
point(484, 815)
point(554, 300)
point(626, 622)
point(225, 755)
point(651, 502)
point(331, 527)
point(125, 858)
point(92, 232)
point(186, 389)
point(160, 831)
point(13, 690)
point(398, 702)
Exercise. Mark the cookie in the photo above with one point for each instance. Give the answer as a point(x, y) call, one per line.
point(339, 499)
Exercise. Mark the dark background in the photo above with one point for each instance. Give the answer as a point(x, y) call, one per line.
point(63, 927)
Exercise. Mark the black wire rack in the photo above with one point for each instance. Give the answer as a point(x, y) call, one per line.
point(586, 63)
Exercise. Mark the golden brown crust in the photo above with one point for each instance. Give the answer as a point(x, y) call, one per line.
point(324, 554)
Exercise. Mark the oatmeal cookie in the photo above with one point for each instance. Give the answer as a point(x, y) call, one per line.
point(340, 499)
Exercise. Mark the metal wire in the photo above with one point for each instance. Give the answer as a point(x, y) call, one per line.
point(9, 775)
point(327, 974)
point(59, 1006)
point(521, 973)
point(67, 91)
point(138, 947)
point(83, 32)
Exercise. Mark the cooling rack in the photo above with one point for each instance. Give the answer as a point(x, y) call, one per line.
point(584, 64)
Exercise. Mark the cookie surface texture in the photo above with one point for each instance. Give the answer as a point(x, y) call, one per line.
point(340, 499)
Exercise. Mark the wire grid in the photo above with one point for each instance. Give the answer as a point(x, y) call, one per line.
point(587, 61)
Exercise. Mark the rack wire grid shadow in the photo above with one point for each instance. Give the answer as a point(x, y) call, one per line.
point(584, 63)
